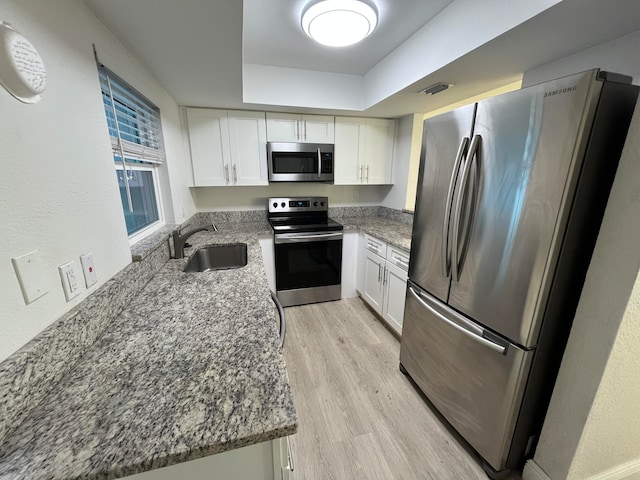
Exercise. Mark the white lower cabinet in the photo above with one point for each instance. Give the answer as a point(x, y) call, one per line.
point(263, 461)
point(382, 279)
point(372, 291)
point(395, 289)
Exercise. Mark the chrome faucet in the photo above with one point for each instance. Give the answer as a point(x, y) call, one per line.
point(180, 239)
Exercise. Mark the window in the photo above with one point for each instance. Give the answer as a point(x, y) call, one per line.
point(136, 139)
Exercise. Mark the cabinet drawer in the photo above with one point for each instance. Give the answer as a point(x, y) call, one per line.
point(376, 246)
point(398, 257)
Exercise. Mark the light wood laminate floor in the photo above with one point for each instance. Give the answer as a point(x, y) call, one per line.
point(359, 417)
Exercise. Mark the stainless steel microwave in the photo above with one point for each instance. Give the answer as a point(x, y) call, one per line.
point(300, 162)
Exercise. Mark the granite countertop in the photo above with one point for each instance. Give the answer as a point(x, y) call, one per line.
point(191, 368)
point(394, 233)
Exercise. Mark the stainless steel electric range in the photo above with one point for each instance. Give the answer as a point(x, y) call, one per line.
point(308, 250)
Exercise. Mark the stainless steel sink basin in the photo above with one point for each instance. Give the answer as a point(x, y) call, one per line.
point(218, 257)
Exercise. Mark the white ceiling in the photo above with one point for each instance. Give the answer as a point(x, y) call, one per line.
point(273, 35)
point(194, 48)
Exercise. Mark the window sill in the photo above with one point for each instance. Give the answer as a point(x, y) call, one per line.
point(147, 244)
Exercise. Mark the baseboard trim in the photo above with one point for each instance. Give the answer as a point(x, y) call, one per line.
point(532, 471)
point(621, 472)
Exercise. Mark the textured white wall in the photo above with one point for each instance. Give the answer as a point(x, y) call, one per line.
point(422, 53)
point(611, 437)
point(58, 192)
point(620, 56)
point(592, 425)
point(295, 87)
point(402, 158)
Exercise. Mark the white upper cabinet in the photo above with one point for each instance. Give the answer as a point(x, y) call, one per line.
point(363, 151)
point(348, 151)
point(248, 143)
point(378, 151)
point(209, 140)
point(227, 147)
point(286, 127)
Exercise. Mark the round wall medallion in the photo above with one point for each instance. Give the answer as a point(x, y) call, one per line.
point(22, 71)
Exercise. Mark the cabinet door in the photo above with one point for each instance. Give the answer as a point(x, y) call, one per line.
point(248, 144)
point(349, 150)
point(395, 288)
point(209, 141)
point(378, 151)
point(373, 272)
point(283, 127)
point(317, 129)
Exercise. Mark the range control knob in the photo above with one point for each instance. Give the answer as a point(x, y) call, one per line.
point(275, 204)
point(282, 204)
point(315, 204)
point(322, 204)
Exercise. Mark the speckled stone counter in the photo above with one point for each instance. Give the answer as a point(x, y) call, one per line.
point(191, 368)
point(394, 233)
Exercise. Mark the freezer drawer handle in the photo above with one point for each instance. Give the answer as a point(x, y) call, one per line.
point(477, 337)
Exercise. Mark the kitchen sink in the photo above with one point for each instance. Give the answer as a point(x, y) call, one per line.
point(218, 257)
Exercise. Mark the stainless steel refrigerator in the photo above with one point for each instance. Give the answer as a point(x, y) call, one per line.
point(510, 197)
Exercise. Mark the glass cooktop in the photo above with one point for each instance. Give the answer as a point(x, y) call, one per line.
point(304, 224)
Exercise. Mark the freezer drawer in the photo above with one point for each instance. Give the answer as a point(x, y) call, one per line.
point(473, 378)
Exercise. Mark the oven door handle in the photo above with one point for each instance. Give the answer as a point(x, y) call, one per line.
point(310, 237)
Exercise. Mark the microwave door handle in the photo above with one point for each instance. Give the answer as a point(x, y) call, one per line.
point(319, 164)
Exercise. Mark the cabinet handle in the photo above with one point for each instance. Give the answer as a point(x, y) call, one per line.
point(298, 129)
point(373, 248)
point(384, 278)
point(367, 170)
point(360, 176)
point(235, 175)
point(379, 273)
point(305, 130)
point(401, 262)
point(226, 173)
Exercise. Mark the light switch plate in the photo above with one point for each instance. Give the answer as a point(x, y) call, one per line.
point(31, 276)
point(89, 269)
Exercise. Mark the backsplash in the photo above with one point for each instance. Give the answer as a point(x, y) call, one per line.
point(241, 216)
point(383, 212)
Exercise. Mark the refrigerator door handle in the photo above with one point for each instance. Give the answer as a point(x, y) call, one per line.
point(474, 335)
point(471, 157)
point(446, 251)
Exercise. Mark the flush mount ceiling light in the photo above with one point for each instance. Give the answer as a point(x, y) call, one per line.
point(339, 23)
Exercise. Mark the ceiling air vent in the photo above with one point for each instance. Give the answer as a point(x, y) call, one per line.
point(436, 88)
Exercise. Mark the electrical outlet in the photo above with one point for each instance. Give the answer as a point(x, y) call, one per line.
point(356, 193)
point(69, 280)
point(88, 269)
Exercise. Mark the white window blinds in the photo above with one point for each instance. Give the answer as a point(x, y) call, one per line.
point(134, 122)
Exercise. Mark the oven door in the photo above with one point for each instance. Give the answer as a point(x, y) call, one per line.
point(308, 267)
